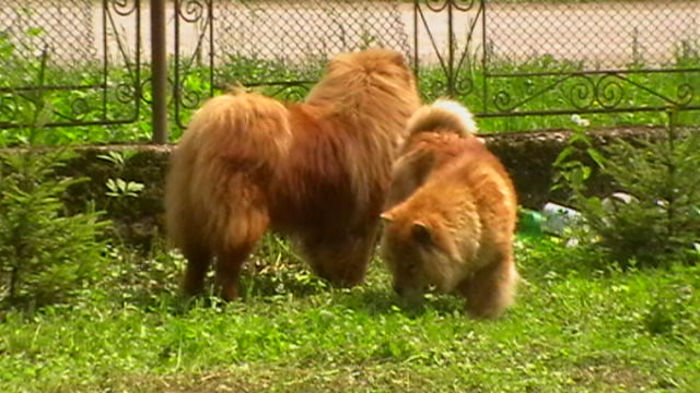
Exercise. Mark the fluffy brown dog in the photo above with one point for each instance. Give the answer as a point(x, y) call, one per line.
point(317, 171)
point(452, 215)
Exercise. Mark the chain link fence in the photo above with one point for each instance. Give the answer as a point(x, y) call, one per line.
point(78, 58)
point(565, 57)
point(503, 57)
point(280, 46)
point(299, 31)
point(62, 30)
point(595, 34)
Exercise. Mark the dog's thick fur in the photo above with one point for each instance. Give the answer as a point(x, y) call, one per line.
point(451, 214)
point(317, 171)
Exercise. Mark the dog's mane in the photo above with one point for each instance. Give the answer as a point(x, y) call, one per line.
point(374, 94)
point(362, 87)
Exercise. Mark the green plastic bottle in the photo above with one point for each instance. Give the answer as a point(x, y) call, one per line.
point(530, 222)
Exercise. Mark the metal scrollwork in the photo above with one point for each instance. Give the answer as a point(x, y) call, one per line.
point(145, 86)
point(188, 98)
point(92, 43)
point(125, 93)
point(609, 91)
point(463, 85)
point(457, 57)
point(197, 13)
point(78, 110)
point(436, 5)
point(567, 84)
point(80, 107)
point(581, 93)
point(124, 7)
point(461, 5)
point(685, 94)
point(502, 100)
point(434, 85)
point(191, 11)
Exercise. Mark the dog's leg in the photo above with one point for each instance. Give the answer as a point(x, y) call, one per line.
point(228, 269)
point(239, 242)
point(491, 290)
point(198, 261)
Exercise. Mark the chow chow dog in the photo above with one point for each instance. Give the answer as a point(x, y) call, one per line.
point(451, 214)
point(317, 171)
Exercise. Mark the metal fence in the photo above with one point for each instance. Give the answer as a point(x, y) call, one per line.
point(590, 57)
point(503, 57)
point(279, 44)
point(91, 57)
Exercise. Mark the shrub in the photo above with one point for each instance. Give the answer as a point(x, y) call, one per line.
point(45, 254)
point(656, 215)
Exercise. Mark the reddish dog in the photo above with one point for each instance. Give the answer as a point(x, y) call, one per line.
point(317, 171)
point(452, 214)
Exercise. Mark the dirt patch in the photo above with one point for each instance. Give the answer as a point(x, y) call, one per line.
point(602, 377)
point(599, 34)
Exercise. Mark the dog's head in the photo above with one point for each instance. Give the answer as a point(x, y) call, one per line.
point(419, 252)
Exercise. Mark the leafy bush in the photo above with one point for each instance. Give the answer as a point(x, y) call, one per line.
point(655, 216)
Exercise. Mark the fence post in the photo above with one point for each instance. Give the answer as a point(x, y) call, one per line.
point(159, 73)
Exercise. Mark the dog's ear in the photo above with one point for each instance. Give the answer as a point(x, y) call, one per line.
point(421, 233)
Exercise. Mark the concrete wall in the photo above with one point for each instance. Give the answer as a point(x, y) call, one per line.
point(527, 156)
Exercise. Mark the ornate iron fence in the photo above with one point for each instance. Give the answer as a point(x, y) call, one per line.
point(278, 45)
point(502, 57)
point(546, 58)
point(92, 63)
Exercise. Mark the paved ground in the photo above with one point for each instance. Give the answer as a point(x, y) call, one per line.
point(605, 34)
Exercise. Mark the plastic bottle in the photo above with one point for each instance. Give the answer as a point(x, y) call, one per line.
point(530, 222)
point(556, 218)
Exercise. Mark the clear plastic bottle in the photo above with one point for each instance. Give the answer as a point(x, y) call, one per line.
point(556, 218)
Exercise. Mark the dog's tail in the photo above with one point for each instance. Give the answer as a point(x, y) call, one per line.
point(241, 127)
point(214, 188)
point(443, 115)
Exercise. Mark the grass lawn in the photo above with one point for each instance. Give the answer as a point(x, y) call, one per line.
point(574, 329)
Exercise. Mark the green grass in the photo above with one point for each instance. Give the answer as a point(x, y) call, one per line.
point(573, 329)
